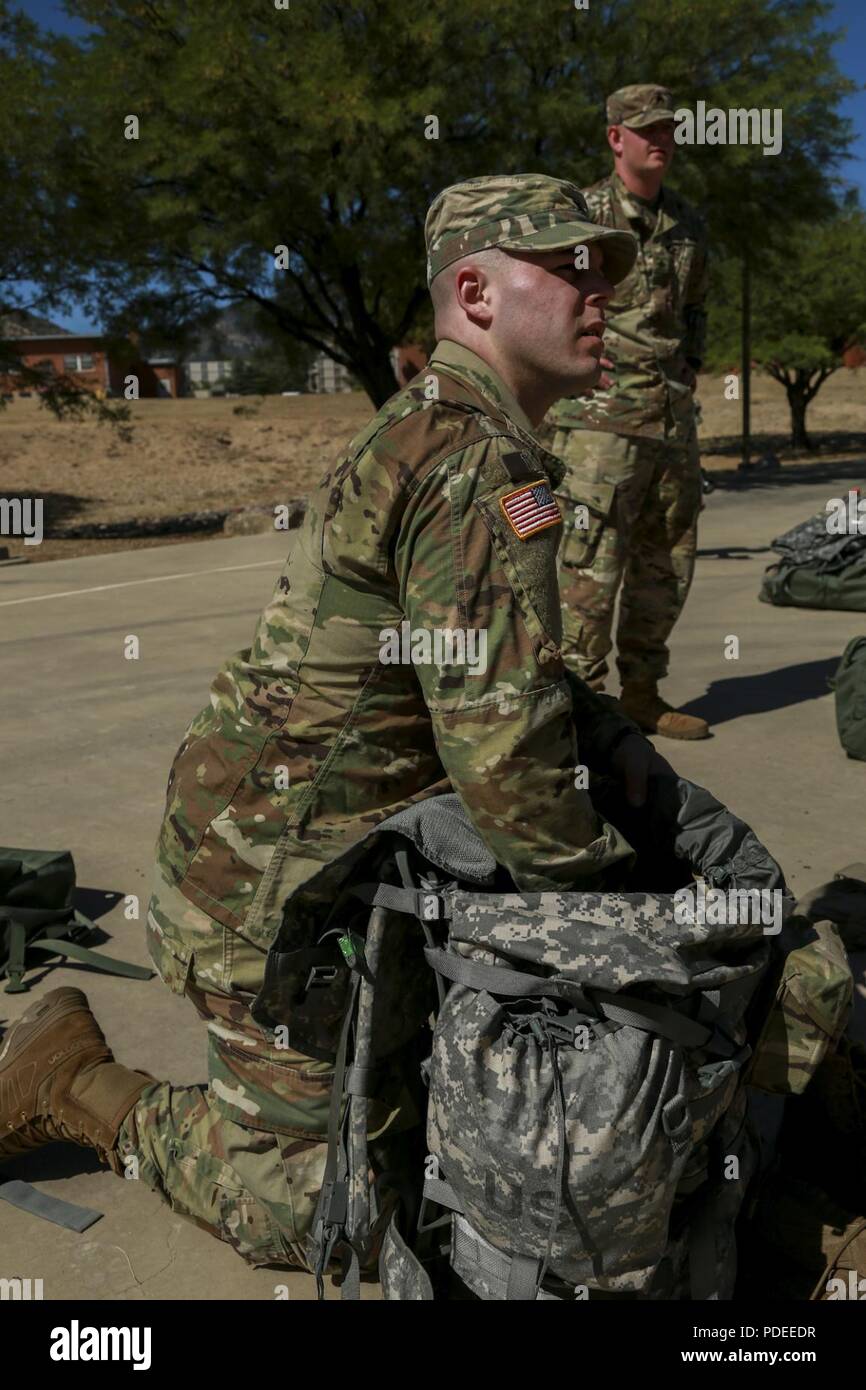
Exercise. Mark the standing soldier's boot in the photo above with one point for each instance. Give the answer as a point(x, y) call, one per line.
point(59, 1080)
point(642, 703)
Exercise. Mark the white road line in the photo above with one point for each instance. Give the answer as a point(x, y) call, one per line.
point(128, 583)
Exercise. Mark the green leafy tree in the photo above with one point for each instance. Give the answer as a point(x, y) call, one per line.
point(266, 373)
point(34, 278)
point(808, 306)
point(309, 128)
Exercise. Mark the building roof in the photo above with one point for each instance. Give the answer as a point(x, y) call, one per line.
point(49, 337)
point(18, 323)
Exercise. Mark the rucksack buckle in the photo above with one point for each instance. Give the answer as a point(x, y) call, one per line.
point(561, 1031)
point(320, 976)
point(335, 1204)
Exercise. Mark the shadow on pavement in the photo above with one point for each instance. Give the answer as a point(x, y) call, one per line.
point(54, 1161)
point(733, 552)
point(790, 475)
point(770, 690)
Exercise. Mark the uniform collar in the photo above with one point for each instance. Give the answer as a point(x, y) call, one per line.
point(473, 371)
point(636, 208)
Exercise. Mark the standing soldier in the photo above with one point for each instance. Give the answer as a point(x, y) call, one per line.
point(442, 512)
point(633, 487)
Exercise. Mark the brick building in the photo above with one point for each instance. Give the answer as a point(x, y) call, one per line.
point(86, 358)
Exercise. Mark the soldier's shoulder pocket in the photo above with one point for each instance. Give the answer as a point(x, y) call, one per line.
point(524, 520)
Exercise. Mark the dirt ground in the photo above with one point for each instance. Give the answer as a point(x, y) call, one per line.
point(193, 455)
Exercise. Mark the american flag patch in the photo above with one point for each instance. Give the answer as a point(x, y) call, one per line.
point(530, 508)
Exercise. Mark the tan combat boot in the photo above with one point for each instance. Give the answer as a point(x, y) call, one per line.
point(644, 705)
point(59, 1080)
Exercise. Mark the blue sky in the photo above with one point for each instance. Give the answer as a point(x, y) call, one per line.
point(850, 51)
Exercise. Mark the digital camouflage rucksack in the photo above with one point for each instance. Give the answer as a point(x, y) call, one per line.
point(586, 1127)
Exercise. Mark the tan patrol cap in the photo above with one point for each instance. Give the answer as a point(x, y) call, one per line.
point(518, 212)
point(640, 105)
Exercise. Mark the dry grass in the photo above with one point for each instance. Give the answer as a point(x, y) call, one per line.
point(193, 455)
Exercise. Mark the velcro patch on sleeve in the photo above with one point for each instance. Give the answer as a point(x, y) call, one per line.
point(530, 508)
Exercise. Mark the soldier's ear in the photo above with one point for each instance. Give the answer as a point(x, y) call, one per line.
point(471, 284)
point(614, 138)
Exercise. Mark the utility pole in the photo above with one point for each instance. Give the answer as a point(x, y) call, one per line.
point(746, 359)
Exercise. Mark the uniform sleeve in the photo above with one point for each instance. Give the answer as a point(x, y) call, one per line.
point(503, 719)
point(694, 313)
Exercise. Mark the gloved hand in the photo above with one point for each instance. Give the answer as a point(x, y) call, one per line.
point(634, 760)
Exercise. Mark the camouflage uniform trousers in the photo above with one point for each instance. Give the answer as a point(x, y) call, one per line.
point(243, 1157)
point(646, 540)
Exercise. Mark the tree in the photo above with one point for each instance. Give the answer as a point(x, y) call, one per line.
point(34, 279)
point(266, 373)
point(196, 137)
point(808, 306)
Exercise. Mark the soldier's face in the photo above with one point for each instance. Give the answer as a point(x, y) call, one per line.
point(550, 316)
point(647, 150)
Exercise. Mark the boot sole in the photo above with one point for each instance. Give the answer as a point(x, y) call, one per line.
point(680, 738)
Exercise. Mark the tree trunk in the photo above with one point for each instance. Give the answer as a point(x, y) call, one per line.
point(376, 375)
point(798, 402)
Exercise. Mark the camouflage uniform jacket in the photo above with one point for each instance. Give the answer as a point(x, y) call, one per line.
point(310, 739)
point(655, 323)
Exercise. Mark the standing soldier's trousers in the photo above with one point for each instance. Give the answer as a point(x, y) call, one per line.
point(244, 1156)
point(644, 496)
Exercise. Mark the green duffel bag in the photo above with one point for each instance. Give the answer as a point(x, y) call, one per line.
point(37, 914)
point(849, 683)
point(790, 585)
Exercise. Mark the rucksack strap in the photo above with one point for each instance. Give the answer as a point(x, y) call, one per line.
point(425, 904)
point(67, 1214)
point(53, 941)
point(617, 1008)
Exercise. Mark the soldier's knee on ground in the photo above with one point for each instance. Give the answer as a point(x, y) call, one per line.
point(253, 1189)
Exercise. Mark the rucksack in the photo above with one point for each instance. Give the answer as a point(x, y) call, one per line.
point(586, 1123)
point(37, 914)
point(849, 684)
point(817, 570)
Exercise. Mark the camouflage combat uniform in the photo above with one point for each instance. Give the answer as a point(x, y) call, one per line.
point(310, 739)
point(632, 450)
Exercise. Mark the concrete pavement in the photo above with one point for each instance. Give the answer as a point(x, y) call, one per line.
point(87, 737)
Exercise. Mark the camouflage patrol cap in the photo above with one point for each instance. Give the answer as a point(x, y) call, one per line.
point(519, 212)
point(640, 105)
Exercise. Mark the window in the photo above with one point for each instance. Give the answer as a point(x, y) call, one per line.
point(78, 362)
